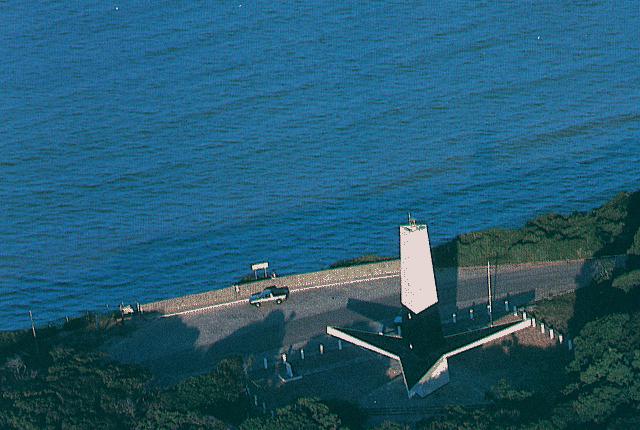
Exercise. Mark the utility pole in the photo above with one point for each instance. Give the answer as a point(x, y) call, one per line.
point(33, 326)
point(489, 286)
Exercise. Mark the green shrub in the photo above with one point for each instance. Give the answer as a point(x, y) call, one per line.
point(627, 281)
point(305, 413)
point(220, 393)
point(365, 259)
point(634, 249)
point(608, 230)
point(557, 311)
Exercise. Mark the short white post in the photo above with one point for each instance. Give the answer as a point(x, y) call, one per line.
point(264, 362)
point(533, 322)
point(470, 314)
point(506, 305)
point(569, 344)
point(284, 357)
point(560, 338)
point(302, 353)
point(551, 335)
point(515, 310)
point(524, 315)
point(453, 317)
point(339, 345)
point(321, 349)
point(541, 327)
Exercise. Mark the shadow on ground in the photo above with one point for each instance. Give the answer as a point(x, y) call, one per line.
point(600, 298)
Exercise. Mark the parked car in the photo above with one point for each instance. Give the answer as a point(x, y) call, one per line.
point(269, 294)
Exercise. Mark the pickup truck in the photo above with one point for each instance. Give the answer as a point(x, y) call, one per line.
point(269, 294)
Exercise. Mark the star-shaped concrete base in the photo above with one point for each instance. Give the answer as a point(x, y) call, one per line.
point(427, 370)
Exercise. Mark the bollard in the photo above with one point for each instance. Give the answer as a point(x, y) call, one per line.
point(550, 333)
point(321, 349)
point(453, 317)
point(470, 314)
point(284, 357)
point(264, 362)
point(515, 310)
point(506, 305)
point(339, 345)
point(533, 322)
point(560, 338)
point(569, 344)
point(541, 327)
point(302, 353)
point(524, 315)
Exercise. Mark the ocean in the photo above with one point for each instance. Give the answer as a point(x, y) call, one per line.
point(156, 149)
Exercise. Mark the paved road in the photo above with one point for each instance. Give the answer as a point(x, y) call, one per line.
point(190, 343)
point(182, 345)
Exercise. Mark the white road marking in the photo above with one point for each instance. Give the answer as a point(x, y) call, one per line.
point(220, 305)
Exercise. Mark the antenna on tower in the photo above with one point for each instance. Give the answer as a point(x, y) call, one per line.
point(412, 221)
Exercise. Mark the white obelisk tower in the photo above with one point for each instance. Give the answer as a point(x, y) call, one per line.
point(418, 283)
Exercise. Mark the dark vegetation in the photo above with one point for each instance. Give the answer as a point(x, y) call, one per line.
point(608, 230)
point(303, 414)
point(60, 380)
point(611, 229)
point(255, 277)
point(365, 259)
point(602, 388)
point(249, 278)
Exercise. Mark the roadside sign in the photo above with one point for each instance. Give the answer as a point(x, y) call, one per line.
point(260, 266)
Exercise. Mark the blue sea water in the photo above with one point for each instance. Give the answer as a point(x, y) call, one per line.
point(154, 149)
